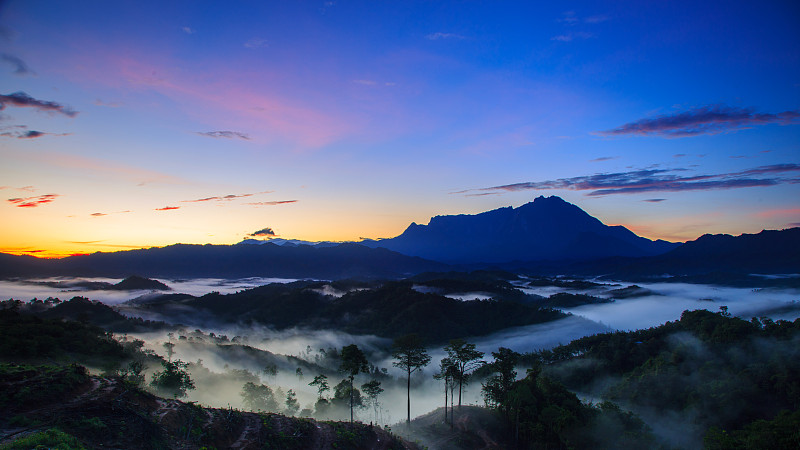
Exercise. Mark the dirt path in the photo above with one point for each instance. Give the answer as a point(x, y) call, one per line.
point(249, 436)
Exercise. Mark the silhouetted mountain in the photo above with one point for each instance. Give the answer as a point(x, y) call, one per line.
point(231, 261)
point(770, 251)
point(135, 282)
point(545, 229)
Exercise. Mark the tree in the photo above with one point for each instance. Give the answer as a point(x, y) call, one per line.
point(321, 382)
point(292, 405)
point(352, 363)
point(411, 356)
point(258, 397)
point(174, 379)
point(373, 389)
point(133, 373)
point(270, 370)
point(497, 387)
point(447, 372)
point(465, 358)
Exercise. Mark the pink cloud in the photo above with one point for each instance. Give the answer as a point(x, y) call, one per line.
point(770, 213)
point(33, 202)
point(253, 99)
point(168, 208)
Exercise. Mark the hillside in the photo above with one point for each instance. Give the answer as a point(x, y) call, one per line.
point(226, 261)
point(48, 406)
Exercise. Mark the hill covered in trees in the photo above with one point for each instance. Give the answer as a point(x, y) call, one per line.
point(389, 309)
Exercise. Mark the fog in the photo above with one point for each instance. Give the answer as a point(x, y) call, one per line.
point(219, 385)
point(674, 298)
point(36, 288)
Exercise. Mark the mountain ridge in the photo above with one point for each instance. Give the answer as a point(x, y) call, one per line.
point(548, 228)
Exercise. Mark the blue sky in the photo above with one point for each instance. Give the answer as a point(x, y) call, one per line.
point(136, 124)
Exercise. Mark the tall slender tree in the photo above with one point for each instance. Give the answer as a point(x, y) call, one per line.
point(372, 389)
point(410, 356)
point(447, 372)
point(465, 358)
point(321, 382)
point(353, 363)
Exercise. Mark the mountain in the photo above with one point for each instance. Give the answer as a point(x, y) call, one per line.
point(715, 257)
point(548, 228)
point(228, 261)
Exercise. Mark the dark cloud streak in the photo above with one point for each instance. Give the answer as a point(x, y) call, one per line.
point(703, 120)
point(20, 68)
point(224, 134)
point(272, 203)
point(23, 100)
point(656, 180)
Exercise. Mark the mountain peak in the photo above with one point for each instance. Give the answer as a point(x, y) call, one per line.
point(548, 228)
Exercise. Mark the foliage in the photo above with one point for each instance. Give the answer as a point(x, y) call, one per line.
point(465, 358)
point(52, 438)
point(174, 380)
point(410, 355)
point(321, 382)
point(497, 387)
point(724, 371)
point(372, 389)
point(292, 405)
point(258, 397)
point(783, 432)
point(353, 362)
point(27, 337)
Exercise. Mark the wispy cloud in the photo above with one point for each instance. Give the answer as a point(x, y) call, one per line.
point(187, 30)
point(571, 36)
point(657, 180)
point(23, 188)
point(22, 132)
point(99, 102)
point(654, 200)
point(770, 213)
point(22, 100)
point(168, 208)
point(264, 232)
point(604, 158)
point(224, 134)
point(439, 36)
point(256, 43)
point(33, 202)
point(103, 168)
point(20, 68)
point(222, 198)
point(703, 120)
point(98, 214)
point(272, 203)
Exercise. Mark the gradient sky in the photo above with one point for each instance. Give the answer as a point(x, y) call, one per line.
point(138, 124)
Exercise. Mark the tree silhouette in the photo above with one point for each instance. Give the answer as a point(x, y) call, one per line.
point(411, 356)
point(174, 379)
point(496, 389)
point(465, 358)
point(373, 389)
point(352, 363)
point(321, 382)
point(447, 372)
point(258, 397)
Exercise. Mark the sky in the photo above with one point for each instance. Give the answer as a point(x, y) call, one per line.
point(133, 124)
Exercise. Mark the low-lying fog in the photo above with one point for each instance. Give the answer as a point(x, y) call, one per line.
point(67, 287)
point(665, 303)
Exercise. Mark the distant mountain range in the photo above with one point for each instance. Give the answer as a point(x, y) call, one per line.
point(547, 234)
point(228, 261)
point(547, 229)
